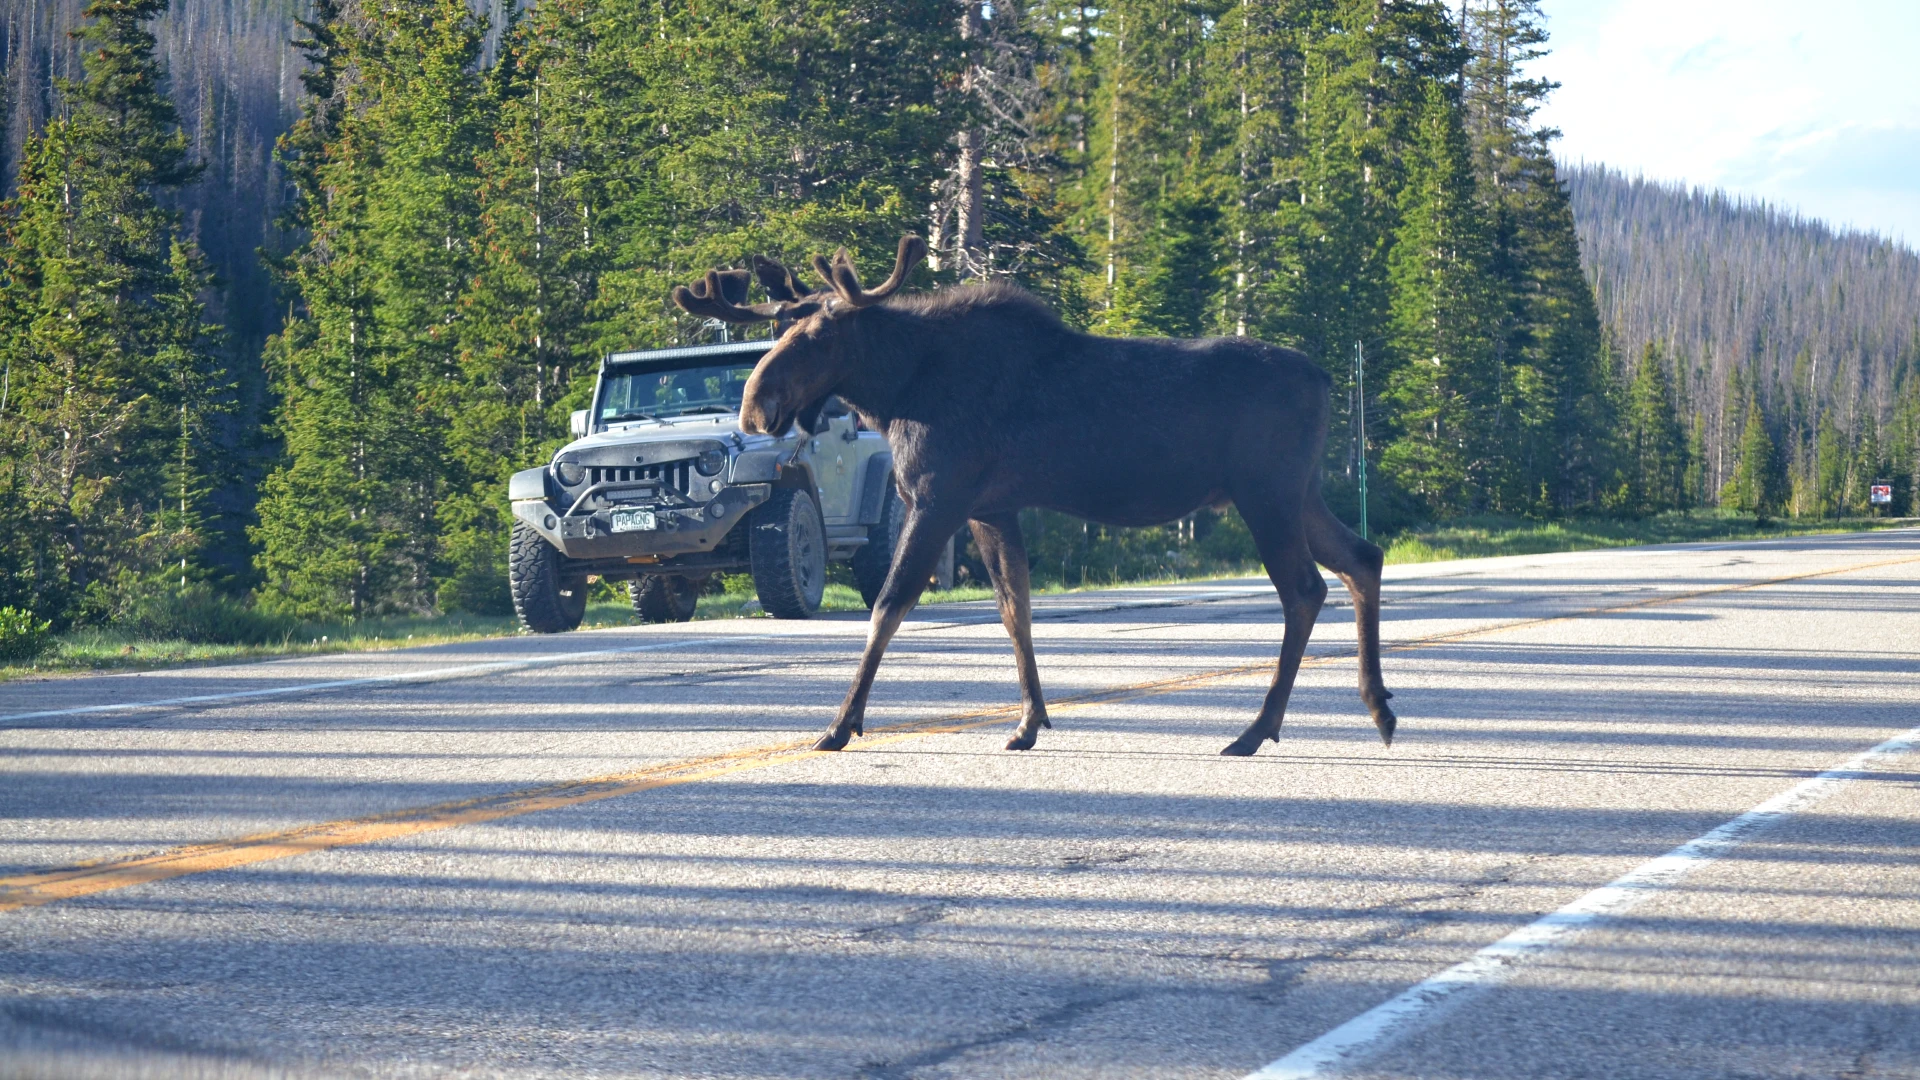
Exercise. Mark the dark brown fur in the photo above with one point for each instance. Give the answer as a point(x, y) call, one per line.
point(992, 405)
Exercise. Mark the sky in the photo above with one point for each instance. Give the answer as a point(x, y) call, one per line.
point(1814, 107)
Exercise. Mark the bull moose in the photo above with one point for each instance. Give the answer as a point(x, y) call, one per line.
point(992, 405)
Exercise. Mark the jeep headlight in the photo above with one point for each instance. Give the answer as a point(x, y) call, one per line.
point(710, 462)
point(569, 472)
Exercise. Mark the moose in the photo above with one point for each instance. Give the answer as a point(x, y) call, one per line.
point(992, 404)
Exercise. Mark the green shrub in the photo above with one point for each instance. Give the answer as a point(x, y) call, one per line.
point(477, 590)
point(203, 616)
point(22, 637)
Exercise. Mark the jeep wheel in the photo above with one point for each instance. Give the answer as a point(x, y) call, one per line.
point(942, 579)
point(788, 547)
point(662, 598)
point(871, 563)
point(547, 600)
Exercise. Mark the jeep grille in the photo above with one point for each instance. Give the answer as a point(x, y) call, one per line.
point(677, 475)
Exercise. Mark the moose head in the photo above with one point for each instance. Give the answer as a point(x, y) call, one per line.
point(793, 380)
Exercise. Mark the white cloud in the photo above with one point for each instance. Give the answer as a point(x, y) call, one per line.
point(1812, 106)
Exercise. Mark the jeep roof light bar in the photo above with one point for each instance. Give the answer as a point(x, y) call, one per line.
point(687, 352)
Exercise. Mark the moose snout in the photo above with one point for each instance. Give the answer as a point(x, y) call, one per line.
point(760, 415)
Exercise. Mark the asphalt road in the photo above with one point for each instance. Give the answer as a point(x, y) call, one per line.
point(602, 854)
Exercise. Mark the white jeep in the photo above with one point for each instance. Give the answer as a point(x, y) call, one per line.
point(661, 489)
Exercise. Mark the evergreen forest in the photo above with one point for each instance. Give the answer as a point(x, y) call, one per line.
point(290, 287)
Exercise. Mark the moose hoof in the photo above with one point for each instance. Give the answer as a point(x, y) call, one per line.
point(834, 739)
point(1244, 746)
point(1023, 739)
point(1384, 719)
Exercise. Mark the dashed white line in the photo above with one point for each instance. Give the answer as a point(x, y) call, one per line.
point(1376, 1028)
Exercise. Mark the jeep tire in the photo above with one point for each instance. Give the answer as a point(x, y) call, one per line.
point(871, 563)
point(788, 545)
point(875, 557)
point(547, 598)
point(943, 571)
point(663, 598)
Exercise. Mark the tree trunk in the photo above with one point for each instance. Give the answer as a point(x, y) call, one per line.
point(970, 256)
point(969, 253)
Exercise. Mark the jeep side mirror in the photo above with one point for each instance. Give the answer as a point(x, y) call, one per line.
point(577, 423)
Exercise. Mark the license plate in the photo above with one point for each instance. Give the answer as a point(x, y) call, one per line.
point(634, 521)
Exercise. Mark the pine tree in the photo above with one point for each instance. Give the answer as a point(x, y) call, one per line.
point(1654, 440)
point(1903, 441)
point(754, 131)
point(1444, 383)
point(1829, 473)
point(527, 324)
point(1331, 268)
point(1365, 73)
point(1733, 421)
point(1756, 486)
point(109, 368)
point(1695, 489)
point(301, 149)
point(370, 375)
point(1255, 85)
point(1554, 401)
point(1150, 185)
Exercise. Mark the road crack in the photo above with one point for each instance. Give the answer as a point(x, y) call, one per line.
point(1405, 918)
point(1068, 1013)
point(907, 924)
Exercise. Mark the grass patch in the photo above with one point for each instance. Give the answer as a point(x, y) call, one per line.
point(121, 649)
point(1485, 537)
point(114, 649)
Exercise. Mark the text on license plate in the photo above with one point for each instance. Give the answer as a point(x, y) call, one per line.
point(634, 520)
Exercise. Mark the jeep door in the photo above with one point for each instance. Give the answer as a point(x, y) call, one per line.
point(836, 468)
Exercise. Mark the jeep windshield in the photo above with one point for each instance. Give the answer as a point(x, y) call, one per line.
point(654, 393)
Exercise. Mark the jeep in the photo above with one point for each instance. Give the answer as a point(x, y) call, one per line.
point(662, 490)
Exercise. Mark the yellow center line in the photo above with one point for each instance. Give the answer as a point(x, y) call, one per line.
point(105, 875)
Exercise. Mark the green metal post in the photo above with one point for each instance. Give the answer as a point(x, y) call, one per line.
point(1360, 422)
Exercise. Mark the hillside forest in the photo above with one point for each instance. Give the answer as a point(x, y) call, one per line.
point(290, 287)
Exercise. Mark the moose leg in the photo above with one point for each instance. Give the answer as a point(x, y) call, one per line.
point(1357, 563)
point(1278, 532)
point(914, 557)
point(998, 539)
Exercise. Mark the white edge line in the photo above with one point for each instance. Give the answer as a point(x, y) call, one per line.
point(398, 677)
point(1374, 1029)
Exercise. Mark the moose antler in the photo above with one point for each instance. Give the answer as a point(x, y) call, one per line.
point(721, 293)
point(846, 282)
point(779, 281)
point(708, 298)
point(733, 286)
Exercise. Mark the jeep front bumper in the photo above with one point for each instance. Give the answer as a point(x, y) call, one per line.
point(679, 530)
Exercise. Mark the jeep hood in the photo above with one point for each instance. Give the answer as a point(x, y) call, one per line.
point(724, 427)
